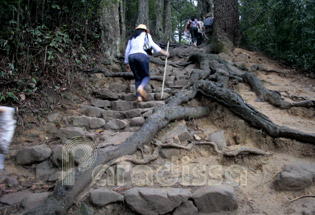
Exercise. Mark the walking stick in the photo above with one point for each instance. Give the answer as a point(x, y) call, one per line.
point(168, 43)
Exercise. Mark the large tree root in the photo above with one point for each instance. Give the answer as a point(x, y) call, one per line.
point(211, 67)
point(244, 151)
point(64, 197)
point(273, 97)
point(159, 145)
point(237, 105)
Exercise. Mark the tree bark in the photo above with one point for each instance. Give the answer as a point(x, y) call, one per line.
point(122, 10)
point(159, 19)
point(143, 13)
point(204, 7)
point(110, 27)
point(168, 33)
point(227, 33)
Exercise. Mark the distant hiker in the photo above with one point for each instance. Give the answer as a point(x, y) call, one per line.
point(136, 58)
point(7, 126)
point(208, 22)
point(201, 32)
point(192, 26)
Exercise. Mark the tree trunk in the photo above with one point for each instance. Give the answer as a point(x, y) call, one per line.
point(227, 33)
point(122, 10)
point(168, 33)
point(159, 19)
point(204, 7)
point(110, 27)
point(143, 13)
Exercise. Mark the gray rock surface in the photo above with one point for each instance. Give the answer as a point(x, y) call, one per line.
point(34, 199)
point(218, 138)
point(132, 113)
point(154, 201)
point(137, 121)
point(84, 209)
point(211, 199)
point(295, 176)
point(101, 103)
point(107, 94)
point(44, 170)
point(53, 117)
point(118, 87)
point(33, 154)
point(187, 208)
point(102, 197)
point(69, 132)
point(88, 122)
point(14, 198)
point(57, 156)
point(116, 124)
point(92, 111)
point(122, 105)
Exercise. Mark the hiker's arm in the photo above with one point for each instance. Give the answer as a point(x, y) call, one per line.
point(164, 52)
point(127, 52)
point(156, 48)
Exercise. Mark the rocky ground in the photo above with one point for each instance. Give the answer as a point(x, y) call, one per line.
point(217, 164)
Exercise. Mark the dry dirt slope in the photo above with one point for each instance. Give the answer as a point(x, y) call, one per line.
point(111, 115)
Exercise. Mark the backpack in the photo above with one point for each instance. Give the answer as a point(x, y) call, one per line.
point(200, 26)
point(189, 24)
point(147, 45)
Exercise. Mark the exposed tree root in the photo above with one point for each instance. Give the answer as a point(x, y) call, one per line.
point(301, 197)
point(244, 151)
point(159, 146)
point(212, 68)
point(237, 105)
point(273, 97)
point(64, 197)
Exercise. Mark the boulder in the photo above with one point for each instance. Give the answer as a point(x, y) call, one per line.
point(106, 93)
point(44, 170)
point(84, 209)
point(187, 208)
point(132, 113)
point(137, 121)
point(211, 199)
point(219, 139)
point(57, 156)
point(154, 201)
point(69, 132)
point(118, 87)
point(88, 122)
point(92, 111)
point(122, 105)
point(33, 154)
point(34, 199)
point(116, 124)
point(150, 104)
point(14, 198)
point(128, 96)
point(102, 197)
point(101, 103)
point(295, 176)
point(53, 117)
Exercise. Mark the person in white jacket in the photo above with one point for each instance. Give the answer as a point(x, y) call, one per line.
point(136, 58)
point(7, 127)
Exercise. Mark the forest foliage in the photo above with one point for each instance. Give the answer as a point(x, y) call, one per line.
point(38, 38)
point(284, 29)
